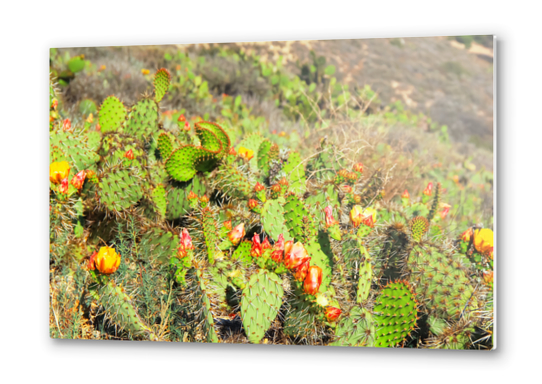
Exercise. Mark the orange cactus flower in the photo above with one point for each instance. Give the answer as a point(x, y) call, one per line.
point(300, 272)
point(405, 195)
point(107, 260)
point(466, 236)
point(232, 152)
point(245, 153)
point(483, 240)
point(428, 190)
point(295, 255)
point(181, 118)
point(58, 171)
point(278, 249)
point(67, 125)
point(227, 224)
point(284, 182)
point(332, 314)
point(129, 154)
point(237, 234)
point(192, 195)
point(313, 280)
point(79, 179)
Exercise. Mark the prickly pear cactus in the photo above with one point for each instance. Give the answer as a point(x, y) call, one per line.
point(260, 304)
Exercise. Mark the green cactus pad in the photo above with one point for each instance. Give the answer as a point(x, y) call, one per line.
point(364, 281)
point(356, 330)
point(112, 114)
point(435, 204)
point(298, 219)
point(253, 143)
point(296, 173)
point(210, 233)
point(213, 137)
point(159, 245)
point(263, 157)
point(177, 197)
point(242, 253)
point(158, 196)
point(120, 190)
point(273, 219)
point(165, 146)
point(441, 281)
point(161, 84)
point(142, 120)
point(320, 259)
point(260, 303)
point(232, 182)
point(300, 321)
point(184, 162)
point(418, 227)
point(121, 311)
point(203, 307)
point(395, 314)
point(76, 152)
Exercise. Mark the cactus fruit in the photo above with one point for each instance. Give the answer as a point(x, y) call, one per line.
point(395, 314)
point(112, 114)
point(260, 304)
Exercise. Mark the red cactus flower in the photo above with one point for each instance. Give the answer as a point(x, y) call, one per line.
point(227, 224)
point(237, 234)
point(330, 220)
point(186, 240)
point(405, 195)
point(300, 272)
point(256, 250)
point(79, 179)
point(129, 154)
point(252, 203)
point(278, 249)
point(258, 187)
point(232, 152)
point(466, 236)
point(428, 190)
point(63, 186)
point(358, 167)
point(343, 173)
point(187, 126)
point(313, 280)
point(67, 125)
point(295, 256)
point(181, 118)
point(276, 188)
point(284, 182)
point(332, 314)
point(266, 244)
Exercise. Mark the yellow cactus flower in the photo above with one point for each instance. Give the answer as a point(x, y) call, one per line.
point(356, 215)
point(246, 153)
point(106, 261)
point(483, 240)
point(58, 171)
point(145, 71)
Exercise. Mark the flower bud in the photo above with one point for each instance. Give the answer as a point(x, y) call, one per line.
point(64, 186)
point(346, 188)
point(232, 151)
point(369, 217)
point(237, 234)
point(330, 220)
point(284, 182)
point(256, 250)
point(186, 240)
point(129, 154)
point(79, 179)
point(444, 212)
point(405, 195)
point(54, 104)
point(313, 280)
point(106, 261)
point(187, 126)
point(428, 190)
point(343, 173)
point(227, 224)
point(466, 236)
point(488, 277)
point(278, 249)
point(58, 171)
point(332, 314)
point(296, 255)
point(192, 195)
point(276, 188)
point(266, 244)
point(67, 125)
point(181, 118)
point(252, 204)
point(358, 167)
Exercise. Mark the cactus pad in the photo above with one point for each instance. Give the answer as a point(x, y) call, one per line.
point(165, 145)
point(260, 303)
point(418, 227)
point(273, 219)
point(112, 114)
point(356, 330)
point(232, 182)
point(120, 190)
point(161, 83)
point(242, 253)
point(160, 245)
point(143, 119)
point(296, 173)
point(395, 314)
point(298, 219)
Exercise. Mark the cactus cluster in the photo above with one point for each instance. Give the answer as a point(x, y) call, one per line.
point(223, 238)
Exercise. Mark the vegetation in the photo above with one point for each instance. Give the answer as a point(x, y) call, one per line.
point(236, 202)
